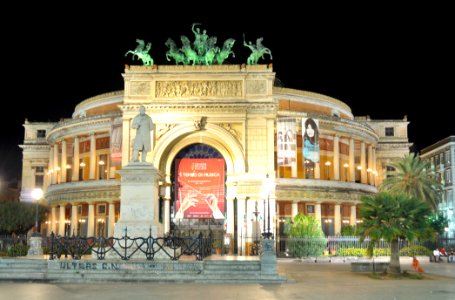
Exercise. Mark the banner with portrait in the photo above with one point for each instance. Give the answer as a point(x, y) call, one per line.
point(310, 132)
point(116, 142)
point(199, 190)
point(286, 142)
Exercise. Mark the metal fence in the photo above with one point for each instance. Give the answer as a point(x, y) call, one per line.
point(7, 241)
point(339, 245)
point(126, 247)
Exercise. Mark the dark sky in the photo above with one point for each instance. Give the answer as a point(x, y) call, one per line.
point(386, 62)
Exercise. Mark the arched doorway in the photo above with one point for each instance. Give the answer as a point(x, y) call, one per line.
point(198, 173)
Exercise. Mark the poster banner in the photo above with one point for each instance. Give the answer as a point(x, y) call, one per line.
point(310, 131)
point(286, 142)
point(116, 142)
point(199, 188)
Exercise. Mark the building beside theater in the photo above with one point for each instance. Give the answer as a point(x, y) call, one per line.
point(282, 151)
point(441, 156)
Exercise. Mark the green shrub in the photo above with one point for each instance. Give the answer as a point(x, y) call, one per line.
point(302, 247)
point(348, 230)
point(415, 250)
point(18, 250)
point(305, 236)
point(362, 252)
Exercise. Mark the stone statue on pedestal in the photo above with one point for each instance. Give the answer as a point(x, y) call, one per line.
point(142, 142)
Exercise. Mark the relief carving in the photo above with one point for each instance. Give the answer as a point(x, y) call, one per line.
point(163, 129)
point(177, 89)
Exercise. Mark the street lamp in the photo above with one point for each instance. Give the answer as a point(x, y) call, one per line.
point(37, 194)
point(266, 189)
point(36, 240)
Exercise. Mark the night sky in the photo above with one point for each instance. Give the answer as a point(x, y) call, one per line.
point(385, 62)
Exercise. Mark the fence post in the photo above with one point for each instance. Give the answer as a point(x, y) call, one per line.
point(51, 247)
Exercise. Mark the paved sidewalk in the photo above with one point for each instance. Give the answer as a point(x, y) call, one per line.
point(306, 281)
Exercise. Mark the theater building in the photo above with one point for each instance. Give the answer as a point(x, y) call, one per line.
point(265, 152)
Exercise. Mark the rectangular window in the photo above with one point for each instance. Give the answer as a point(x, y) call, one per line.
point(448, 176)
point(41, 133)
point(448, 162)
point(101, 209)
point(389, 131)
point(39, 170)
point(310, 209)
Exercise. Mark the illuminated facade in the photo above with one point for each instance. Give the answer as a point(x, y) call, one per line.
point(223, 111)
point(441, 156)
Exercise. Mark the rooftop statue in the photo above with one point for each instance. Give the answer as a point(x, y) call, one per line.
point(257, 51)
point(203, 51)
point(141, 52)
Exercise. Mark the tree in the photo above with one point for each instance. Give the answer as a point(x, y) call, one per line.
point(413, 177)
point(390, 217)
point(18, 217)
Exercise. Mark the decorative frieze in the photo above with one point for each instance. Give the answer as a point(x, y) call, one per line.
point(200, 89)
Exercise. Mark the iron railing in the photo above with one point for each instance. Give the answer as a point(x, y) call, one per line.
point(170, 246)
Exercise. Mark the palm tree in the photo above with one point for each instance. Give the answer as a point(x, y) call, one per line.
point(413, 177)
point(390, 217)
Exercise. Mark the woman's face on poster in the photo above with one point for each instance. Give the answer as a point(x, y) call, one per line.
point(310, 131)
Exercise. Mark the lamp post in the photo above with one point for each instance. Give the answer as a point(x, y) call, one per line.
point(36, 240)
point(266, 187)
point(37, 194)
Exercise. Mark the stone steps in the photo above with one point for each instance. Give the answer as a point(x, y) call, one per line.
point(209, 271)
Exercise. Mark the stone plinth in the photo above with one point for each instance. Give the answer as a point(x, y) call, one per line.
point(35, 246)
point(268, 257)
point(139, 203)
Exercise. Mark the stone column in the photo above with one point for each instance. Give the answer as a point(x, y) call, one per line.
point(353, 217)
point(336, 157)
point(167, 215)
point(317, 171)
point(111, 220)
point(63, 161)
point(51, 165)
point(375, 171)
point(295, 209)
point(351, 160)
point(92, 156)
point(230, 217)
point(139, 198)
point(317, 211)
point(337, 219)
point(363, 164)
point(241, 229)
point(76, 160)
point(61, 221)
point(74, 220)
point(56, 167)
point(91, 220)
point(370, 164)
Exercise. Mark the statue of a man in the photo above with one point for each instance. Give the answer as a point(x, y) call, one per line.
point(142, 142)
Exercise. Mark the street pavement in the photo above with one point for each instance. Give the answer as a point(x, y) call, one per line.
point(305, 281)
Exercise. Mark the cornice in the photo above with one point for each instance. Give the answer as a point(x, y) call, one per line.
point(74, 127)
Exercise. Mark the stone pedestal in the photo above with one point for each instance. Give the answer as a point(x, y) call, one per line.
point(35, 246)
point(268, 257)
point(139, 201)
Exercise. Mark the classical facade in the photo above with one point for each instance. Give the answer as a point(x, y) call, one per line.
point(228, 112)
point(441, 156)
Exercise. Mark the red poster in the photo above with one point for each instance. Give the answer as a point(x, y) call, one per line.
point(200, 188)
